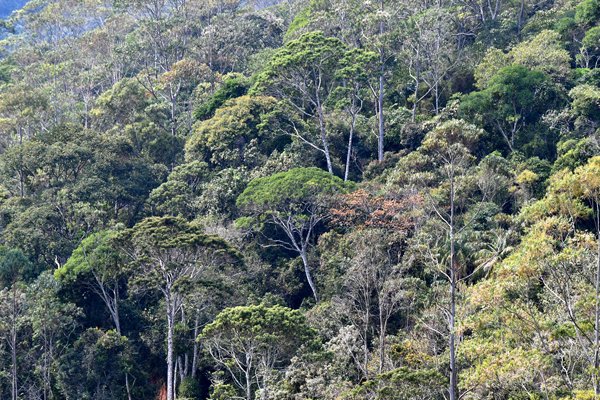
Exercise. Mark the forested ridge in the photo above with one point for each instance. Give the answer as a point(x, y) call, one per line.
point(294, 200)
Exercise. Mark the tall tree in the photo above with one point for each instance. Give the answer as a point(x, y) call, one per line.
point(448, 149)
point(303, 73)
point(252, 342)
point(168, 254)
point(295, 202)
point(98, 256)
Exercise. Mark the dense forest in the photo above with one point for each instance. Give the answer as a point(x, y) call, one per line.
point(295, 200)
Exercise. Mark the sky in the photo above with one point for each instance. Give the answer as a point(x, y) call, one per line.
point(8, 6)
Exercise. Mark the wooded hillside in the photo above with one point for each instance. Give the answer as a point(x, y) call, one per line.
point(294, 200)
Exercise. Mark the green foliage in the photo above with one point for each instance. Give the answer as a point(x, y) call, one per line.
point(239, 134)
point(511, 104)
point(587, 12)
point(402, 383)
point(14, 267)
point(96, 366)
point(189, 389)
point(147, 148)
point(96, 252)
point(300, 54)
point(274, 327)
point(294, 187)
point(234, 85)
point(586, 101)
point(222, 391)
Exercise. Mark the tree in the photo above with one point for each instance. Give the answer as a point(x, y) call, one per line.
point(251, 342)
point(375, 288)
point(354, 72)
point(13, 267)
point(514, 99)
point(303, 73)
point(98, 256)
point(93, 368)
point(294, 201)
point(587, 179)
point(54, 324)
point(430, 54)
point(168, 255)
point(239, 134)
point(448, 149)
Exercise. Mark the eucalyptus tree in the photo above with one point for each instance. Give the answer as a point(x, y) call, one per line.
point(295, 202)
point(98, 262)
point(354, 72)
point(303, 72)
point(168, 254)
point(251, 342)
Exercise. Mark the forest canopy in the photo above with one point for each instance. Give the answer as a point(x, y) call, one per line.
point(294, 200)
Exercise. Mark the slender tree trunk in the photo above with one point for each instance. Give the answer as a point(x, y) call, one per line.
point(381, 91)
point(177, 365)
point(382, 331)
point(366, 343)
point(324, 140)
point(597, 307)
point(312, 285)
point(453, 389)
point(349, 153)
point(248, 378)
point(195, 347)
point(13, 352)
point(21, 172)
point(173, 115)
point(381, 119)
point(520, 18)
point(170, 331)
point(413, 115)
point(437, 97)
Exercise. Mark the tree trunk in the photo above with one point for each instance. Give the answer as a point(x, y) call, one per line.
point(324, 140)
point(381, 91)
point(453, 389)
point(349, 153)
point(304, 257)
point(13, 339)
point(381, 118)
point(248, 378)
point(170, 331)
point(597, 307)
point(195, 347)
point(21, 172)
point(382, 331)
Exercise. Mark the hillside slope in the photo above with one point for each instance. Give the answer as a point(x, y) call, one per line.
point(285, 200)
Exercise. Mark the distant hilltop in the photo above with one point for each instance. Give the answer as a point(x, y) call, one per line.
point(8, 6)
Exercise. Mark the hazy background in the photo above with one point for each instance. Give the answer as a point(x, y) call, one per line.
point(8, 6)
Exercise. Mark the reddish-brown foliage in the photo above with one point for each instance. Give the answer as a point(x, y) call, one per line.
point(364, 209)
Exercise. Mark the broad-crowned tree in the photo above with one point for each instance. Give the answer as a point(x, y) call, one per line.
point(98, 262)
point(303, 73)
point(170, 255)
point(294, 201)
point(239, 134)
point(512, 103)
point(252, 342)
